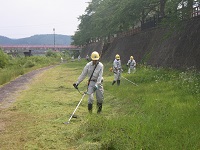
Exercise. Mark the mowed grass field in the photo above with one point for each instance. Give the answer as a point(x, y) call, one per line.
point(162, 112)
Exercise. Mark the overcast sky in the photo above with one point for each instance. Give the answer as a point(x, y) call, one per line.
point(24, 18)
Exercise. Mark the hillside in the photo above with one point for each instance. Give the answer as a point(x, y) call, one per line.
point(153, 47)
point(43, 39)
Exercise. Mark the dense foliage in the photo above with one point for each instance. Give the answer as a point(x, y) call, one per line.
point(104, 18)
point(3, 59)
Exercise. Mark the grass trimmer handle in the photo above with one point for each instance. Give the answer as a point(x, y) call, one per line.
point(75, 86)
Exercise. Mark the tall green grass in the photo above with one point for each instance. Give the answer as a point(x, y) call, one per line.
point(162, 112)
point(21, 65)
point(8, 74)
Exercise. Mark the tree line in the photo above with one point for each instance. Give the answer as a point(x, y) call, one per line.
point(104, 18)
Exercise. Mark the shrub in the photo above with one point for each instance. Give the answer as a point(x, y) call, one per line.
point(4, 59)
point(29, 64)
point(53, 54)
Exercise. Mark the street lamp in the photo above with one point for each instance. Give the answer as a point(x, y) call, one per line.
point(54, 38)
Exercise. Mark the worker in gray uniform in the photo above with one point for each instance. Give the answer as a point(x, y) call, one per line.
point(94, 71)
point(117, 69)
point(131, 65)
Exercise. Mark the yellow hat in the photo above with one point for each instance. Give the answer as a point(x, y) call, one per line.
point(117, 56)
point(131, 57)
point(95, 55)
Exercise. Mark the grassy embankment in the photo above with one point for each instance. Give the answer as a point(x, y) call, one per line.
point(163, 112)
point(21, 65)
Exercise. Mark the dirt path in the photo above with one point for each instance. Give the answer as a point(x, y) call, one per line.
point(9, 91)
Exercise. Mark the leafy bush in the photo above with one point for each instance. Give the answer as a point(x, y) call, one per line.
point(29, 64)
point(50, 53)
point(4, 59)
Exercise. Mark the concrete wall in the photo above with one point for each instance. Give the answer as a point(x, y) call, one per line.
point(179, 50)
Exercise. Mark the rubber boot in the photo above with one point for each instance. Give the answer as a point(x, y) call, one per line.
point(118, 82)
point(113, 82)
point(99, 107)
point(90, 108)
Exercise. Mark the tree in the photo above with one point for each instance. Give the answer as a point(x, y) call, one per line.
point(104, 18)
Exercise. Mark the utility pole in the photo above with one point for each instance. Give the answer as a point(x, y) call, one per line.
point(54, 38)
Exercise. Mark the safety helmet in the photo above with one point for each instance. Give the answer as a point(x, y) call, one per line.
point(95, 55)
point(117, 56)
point(131, 57)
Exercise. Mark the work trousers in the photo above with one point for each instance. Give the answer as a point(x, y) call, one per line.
point(117, 75)
point(131, 69)
point(99, 93)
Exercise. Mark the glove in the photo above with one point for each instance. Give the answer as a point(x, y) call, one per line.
point(127, 65)
point(95, 88)
point(102, 80)
point(75, 85)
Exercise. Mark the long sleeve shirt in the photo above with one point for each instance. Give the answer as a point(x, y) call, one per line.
point(131, 63)
point(87, 71)
point(117, 64)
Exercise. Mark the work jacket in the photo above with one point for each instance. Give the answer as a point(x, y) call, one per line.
point(117, 65)
point(87, 71)
point(131, 63)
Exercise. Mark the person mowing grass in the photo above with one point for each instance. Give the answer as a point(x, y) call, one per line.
point(94, 70)
point(117, 69)
point(131, 65)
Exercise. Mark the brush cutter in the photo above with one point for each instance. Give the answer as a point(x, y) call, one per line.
point(130, 81)
point(75, 109)
point(72, 115)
